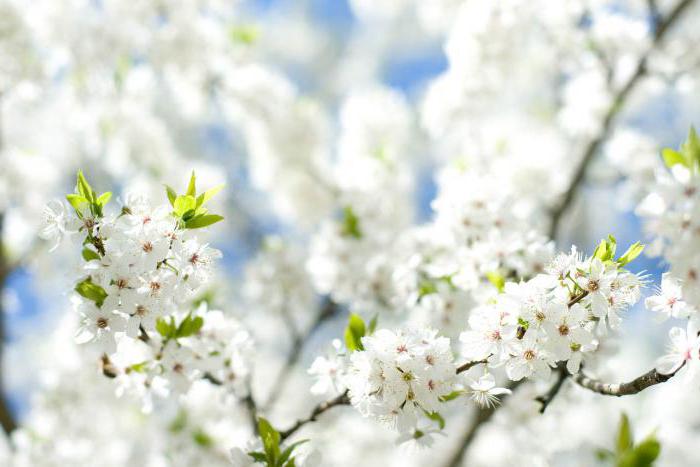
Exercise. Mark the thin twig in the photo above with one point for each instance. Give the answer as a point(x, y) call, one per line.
point(617, 103)
point(546, 399)
point(483, 415)
point(464, 367)
point(635, 386)
point(248, 400)
point(342, 399)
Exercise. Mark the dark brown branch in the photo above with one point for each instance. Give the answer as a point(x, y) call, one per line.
point(562, 374)
point(248, 400)
point(464, 367)
point(637, 385)
point(342, 399)
point(7, 419)
point(618, 101)
point(482, 416)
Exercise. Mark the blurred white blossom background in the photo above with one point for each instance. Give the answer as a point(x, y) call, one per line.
point(396, 159)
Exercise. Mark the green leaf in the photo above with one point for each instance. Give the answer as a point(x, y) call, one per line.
point(426, 287)
point(189, 326)
point(604, 454)
point(244, 34)
point(258, 456)
point(91, 291)
point(624, 435)
point(89, 255)
point(373, 324)
point(83, 188)
point(688, 155)
point(350, 224)
point(77, 201)
point(497, 280)
point(354, 333)
point(183, 204)
point(179, 422)
point(642, 455)
point(691, 148)
point(202, 439)
point(165, 328)
point(288, 452)
point(172, 194)
point(605, 251)
point(672, 157)
point(270, 439)
point(632, 252)
point(139, 367)
point(209, 194)
point(451, 396)
point(437, 418)
point(191, 190)
point(104, 198)
point(205, 220)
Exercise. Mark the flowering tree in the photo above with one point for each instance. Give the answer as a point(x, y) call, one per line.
point(337, 265)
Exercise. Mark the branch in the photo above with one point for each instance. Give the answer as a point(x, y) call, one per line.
point(7, 420)
point(637, 385)
point(468, 365)
point(483, 415)
point(342, 399)
point(617, 103)
point(546, 399)
point(328, 310)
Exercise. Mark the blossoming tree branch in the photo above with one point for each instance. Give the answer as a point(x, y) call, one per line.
point(378, 242)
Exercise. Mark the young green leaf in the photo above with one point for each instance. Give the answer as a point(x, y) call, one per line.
point(451, 396)
point(632, 252)
point(104, 198)
point(205, 220)
point(350, 224)
point(172, 194)
point(209, 194)
point(91, 291)
point(83, 188)
point(183, 204)
point(202, 439)
point(373, 324)
point(77, 201)
point(89, 255)
point(271, 441)
point(191, 189)
point(165, 328)
point(672, 157)
point(354, 333)
point(624, 435)
point(437, 418)
point(497, 280)
point(288, 452)
point(189, 326)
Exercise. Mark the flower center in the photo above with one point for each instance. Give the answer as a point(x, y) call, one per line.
point(141, 310)
point(593, 285)
point(102, 322)
point(564, 330)
point(529, 354)
point(147, 247)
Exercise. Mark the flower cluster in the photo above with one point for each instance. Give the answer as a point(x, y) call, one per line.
point(554, 317)
point(143, 269)
point(684, 346)
point(401, 375)
point(672, 212)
